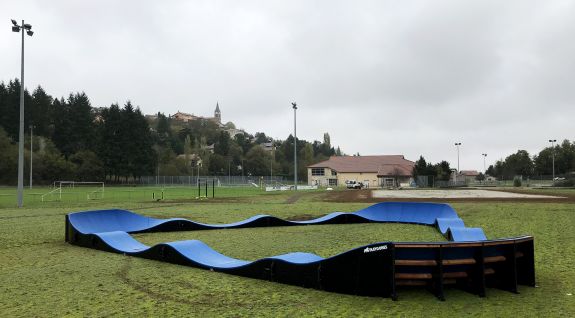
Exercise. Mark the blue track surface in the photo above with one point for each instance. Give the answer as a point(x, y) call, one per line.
point(113, 228)
point(367, 270)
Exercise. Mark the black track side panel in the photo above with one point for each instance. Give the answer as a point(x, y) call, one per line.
point(526, 263)
point(438, 275)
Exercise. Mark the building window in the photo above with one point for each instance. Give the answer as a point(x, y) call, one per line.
point(333, 182)
point(333, 173)
point(317, 171)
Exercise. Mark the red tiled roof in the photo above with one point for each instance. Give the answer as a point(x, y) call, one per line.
point(395, 170)
point(469, 173)
point(374, 164)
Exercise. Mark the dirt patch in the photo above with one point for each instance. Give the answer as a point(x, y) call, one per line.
point(144, 288)
point(364, 196)
point(293, 199)
point(456, 194)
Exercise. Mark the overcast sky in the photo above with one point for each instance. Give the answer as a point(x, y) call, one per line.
point(382, 77)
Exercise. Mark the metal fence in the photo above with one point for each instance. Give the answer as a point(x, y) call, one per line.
point(526, 181)
point(219, 181)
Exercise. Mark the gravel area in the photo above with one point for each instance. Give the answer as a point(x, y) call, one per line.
point(454, 194)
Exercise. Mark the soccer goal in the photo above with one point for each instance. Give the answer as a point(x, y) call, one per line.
point(94, 190)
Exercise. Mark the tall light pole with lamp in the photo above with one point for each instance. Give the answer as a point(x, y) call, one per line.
point(553, 141)
point(484, 170)
point(294, 106)
point(457, 144)
point(272, 161)
point(18, 28)
point(31, 151)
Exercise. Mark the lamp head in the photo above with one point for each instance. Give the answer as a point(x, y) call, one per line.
point(15, 28)
point(27, 26)
point(294, 105)
point(14, 22)
point(30, 32)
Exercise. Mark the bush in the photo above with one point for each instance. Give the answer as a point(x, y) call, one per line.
point(516, 182)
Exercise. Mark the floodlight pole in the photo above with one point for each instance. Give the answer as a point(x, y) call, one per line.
point(457, 144)
point(294, 105)
point(484, 170)
point(24, 28)
point(552, 141)
point(272, 163)
point(31, 151)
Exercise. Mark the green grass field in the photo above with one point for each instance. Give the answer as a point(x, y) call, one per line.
point(43, 276)
point(91, 195)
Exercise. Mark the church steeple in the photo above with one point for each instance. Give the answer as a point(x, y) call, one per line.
point(218, 113)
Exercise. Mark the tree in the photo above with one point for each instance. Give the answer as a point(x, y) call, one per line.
point(88, 167)
point(491, 171)
point(50, 165)
point(188, 148)
point(261, 138)
point(218, 165)
point(519, 163)
point(8, 158)
point(74, 128)
point(443, 171)
point(564, 159)
point(480, 177)
point(257, 162)
point(222, 145)
point(144, 156)
point(110, 149)
point(41, 115)
point(326, 148)
point(10, 108)
point(420, 167)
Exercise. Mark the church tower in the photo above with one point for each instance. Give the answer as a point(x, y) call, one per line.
point(218, 113)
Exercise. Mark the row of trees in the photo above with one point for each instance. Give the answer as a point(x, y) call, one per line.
point(73, 140)
point(440, 171)
point(520, 163)
point(523, 164)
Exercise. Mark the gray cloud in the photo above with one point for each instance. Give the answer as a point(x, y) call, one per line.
point(381, 77)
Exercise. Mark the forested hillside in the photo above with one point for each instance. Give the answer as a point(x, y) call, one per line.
point(73, 140)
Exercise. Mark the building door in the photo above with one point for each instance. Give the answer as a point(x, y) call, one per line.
point(389, 182)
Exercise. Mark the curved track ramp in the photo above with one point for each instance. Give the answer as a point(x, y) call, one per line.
point(469, 260)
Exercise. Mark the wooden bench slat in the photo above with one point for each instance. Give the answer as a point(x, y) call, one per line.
point(413, 276)
point(410, 282)
point(415, 262)
point(462, 261)
point(494, 259)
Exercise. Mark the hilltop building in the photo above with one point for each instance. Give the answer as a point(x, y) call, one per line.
point(186, 117)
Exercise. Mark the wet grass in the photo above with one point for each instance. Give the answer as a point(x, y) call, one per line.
point(43, 276)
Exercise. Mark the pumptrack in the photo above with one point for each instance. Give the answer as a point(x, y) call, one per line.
point(468, 260)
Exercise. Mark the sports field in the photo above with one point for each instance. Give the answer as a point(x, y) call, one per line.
point(43, 276)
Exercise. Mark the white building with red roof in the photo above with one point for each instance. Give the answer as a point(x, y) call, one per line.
point(373, 171)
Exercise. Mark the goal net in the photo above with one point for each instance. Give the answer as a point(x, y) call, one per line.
point(93, 190)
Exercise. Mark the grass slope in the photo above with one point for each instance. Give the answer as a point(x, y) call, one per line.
point(43, 276)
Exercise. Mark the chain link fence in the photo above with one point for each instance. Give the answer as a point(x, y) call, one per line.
point(219, 181)
point(526, 181)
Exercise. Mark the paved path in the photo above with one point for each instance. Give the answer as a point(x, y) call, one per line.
point(454, 194)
